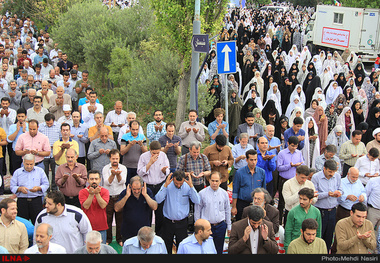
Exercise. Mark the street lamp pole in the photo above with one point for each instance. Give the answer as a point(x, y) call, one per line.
point(195, 58)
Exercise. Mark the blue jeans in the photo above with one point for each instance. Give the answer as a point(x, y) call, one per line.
point(328, 225)
point(218, 235)
point(104, 236)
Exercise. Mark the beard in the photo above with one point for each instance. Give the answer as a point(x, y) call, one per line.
point(307, 241)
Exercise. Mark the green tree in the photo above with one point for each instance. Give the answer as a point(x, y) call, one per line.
point(39, 10)
point(174, 19)
point(89, 31)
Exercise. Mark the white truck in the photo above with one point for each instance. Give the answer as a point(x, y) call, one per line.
point(338, 28)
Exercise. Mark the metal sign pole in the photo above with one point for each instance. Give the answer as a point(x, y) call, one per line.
point(226, 96)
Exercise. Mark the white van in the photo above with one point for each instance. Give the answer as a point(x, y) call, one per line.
point(282, 9)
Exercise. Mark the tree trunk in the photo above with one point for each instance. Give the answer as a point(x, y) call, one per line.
point(184, 83)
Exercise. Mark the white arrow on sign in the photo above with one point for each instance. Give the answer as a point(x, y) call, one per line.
point(226, 50)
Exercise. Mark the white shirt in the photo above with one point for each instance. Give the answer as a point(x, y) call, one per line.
point(115, 187)
point(254, 238)
point(251, 132)
point(5, 121)
point(112, 117)
point(45, 71)
point(88, 117)
point(53, 249)
point(366, 166)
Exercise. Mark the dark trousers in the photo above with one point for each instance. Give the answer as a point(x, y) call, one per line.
point(17, 161)
point(328, 225)
point(346, 167)
point(2, 176)
point(118, 218)
point(29, 208)
point(82, 160)
point(341, 213)
point(269, 187)
point(50, 162)
point(159, 214)
point(240, 205)
point(218, 235)
point(72, 200)
point(130, 173)
point(173, 228)
point(281, 201)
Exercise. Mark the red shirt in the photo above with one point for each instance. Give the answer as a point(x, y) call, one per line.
point(96, 215)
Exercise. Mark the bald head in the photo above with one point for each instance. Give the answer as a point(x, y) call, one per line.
point(43, 234)
point(353, 174)
point(269, 131)
point(103, 134)
point(201, 224)
point(45, 228)
point(118, 107)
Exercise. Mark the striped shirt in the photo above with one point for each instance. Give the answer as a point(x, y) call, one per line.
point(349, 148)
point(53, 132)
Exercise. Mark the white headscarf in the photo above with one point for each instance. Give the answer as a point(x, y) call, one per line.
point(293, 115)
point(306, 149)
point(332, 93)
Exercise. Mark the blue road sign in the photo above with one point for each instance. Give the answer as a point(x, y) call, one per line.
point(200, 43)
point(226, 57)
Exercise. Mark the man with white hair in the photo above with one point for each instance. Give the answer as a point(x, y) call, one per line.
point(94, 245)
point(131, 116)
point(30, 184)
point(57, 101)
point(44, 233)
point(146, 242)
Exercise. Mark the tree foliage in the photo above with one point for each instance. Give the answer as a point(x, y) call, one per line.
point(89, 31)
point(39, 10)
point(175, 21)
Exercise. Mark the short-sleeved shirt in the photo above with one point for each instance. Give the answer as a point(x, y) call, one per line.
point(40, 142)
point(57, 148)
point(92, 130)
point(171, 154)
point(96, 214)
point(131, 158)
point(70, 227)
point(136, 214)
point(3, 137)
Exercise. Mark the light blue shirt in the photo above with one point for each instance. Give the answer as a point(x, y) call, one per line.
point(80, 130)
point(151, 132)
point(176, 206)
point(212, 129)
point(274, 142)
point(373, 192)
point(132, 246)
point(12, 129)
point(237, 151)
point(214, 206)
point(348, 188)
point(323, 186)
point(3, 250)
point(190, 245)
point(36, 177)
